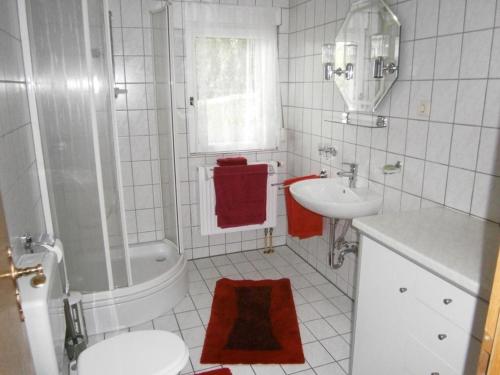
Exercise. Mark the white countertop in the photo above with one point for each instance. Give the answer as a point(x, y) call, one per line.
point(457, 247)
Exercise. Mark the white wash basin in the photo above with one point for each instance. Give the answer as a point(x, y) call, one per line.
point(328, 197)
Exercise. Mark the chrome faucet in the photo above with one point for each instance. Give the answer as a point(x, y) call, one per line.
point(323, 173)
point(352, 173)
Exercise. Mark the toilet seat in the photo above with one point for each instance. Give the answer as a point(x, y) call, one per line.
point(135, 353)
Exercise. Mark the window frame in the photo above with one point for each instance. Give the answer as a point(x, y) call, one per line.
point(220, 31)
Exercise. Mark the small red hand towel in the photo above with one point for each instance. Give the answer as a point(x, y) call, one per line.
point(218, 371)
point(240, 160)
point(240, 195)
point(302, 223)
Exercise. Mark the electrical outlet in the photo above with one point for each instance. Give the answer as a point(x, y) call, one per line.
point(424, 108)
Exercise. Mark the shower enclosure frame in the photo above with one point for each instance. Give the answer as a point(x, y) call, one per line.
point(117, 307)
point(167, 8)
point(33, 107)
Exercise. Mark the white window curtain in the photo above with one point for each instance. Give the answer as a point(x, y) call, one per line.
point(232, 77)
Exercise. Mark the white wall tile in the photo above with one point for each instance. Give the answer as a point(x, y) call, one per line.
point(495, 55)
point(444, 95)
point(492, 109)
point(459, 189)
point(423, 58)
point(448, 52)
point(427, 18)
point(480, 14)
point(464, 146)
point(435, 177)
point(413, 175)
point(416, 138)
point(470, 102)
point(485, 202)
point(439, 142)
point(489, 153)
point(451, 16)
point(476, 51)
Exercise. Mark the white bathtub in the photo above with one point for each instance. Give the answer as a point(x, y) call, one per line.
point(159, 274)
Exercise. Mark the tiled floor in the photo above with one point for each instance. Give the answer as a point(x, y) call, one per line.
point(324, 312)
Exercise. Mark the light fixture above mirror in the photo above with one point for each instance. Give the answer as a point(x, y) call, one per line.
point(364, 60)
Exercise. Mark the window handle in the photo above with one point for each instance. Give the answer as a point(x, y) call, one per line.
point(191, 100)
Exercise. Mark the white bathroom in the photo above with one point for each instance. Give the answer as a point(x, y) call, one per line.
point(249, 187)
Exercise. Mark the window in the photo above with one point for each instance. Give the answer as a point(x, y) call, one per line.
point(232, 82)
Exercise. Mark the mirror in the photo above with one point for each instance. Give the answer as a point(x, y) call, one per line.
point(365, 58)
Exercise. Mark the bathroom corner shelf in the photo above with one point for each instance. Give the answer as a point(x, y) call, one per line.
point(362, 120)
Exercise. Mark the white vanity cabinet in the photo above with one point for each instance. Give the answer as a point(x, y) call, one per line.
point(410, 321)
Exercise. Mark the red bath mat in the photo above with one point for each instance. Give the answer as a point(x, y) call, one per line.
point(218, 371)
point(253, 322)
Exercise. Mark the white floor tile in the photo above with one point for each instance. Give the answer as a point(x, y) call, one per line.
point(142, 327)
point(291, 369)
point(166, 323)
point(320, 329)
point(306, 313)
point(194, 337)
point(185, 305)
point(188, 319)
point(316, 354)
point(240, 369)
point(202, 301)
point(220, 260)
point(245, 267)
point(337, 347)
point(197, 287)
point(324, 312)
point(209, 273)
point(329, 369)
point(311, 294)
point(227, 270)
point(346, 365)
point(340, 323)
point(268, 370)
point(329, 290)
point(325, 308)
point(343, 303)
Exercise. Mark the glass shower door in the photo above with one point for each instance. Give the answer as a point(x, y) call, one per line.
point(71, 80)
point(165, 111)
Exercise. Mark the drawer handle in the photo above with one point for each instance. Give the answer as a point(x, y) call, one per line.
point(442, 336)
point(403, 290)
point(434, 373)
point(447, 301)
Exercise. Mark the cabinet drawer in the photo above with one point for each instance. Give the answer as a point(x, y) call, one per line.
point(443, 338)
point(456, 305)
point(419, 360)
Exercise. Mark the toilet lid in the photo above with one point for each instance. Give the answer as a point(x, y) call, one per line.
point(134, 353)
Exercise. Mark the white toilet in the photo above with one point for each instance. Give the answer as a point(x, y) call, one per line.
point(135, 353)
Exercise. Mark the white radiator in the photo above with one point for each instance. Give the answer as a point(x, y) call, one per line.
point(208, 219)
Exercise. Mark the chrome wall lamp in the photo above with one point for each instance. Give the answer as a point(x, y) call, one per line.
point(380, 47)
point(328, 60)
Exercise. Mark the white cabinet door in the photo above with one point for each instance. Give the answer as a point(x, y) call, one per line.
point(385, 285)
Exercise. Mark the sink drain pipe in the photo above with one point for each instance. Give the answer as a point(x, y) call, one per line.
point(339, 243)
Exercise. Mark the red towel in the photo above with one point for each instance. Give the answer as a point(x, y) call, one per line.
point(240, 160)
point(218, 371)
point(240, 195)
point(302, 223)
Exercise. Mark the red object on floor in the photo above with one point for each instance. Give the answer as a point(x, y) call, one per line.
point(240, 195)
point(219, 371)
point(302, 223)
point(253, 322)
point(240, 160)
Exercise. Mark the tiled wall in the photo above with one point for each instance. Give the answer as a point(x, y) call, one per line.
point(195, 244)
point(138, 132)
point(450, 58)
point(19, 184)
point(136, 118)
